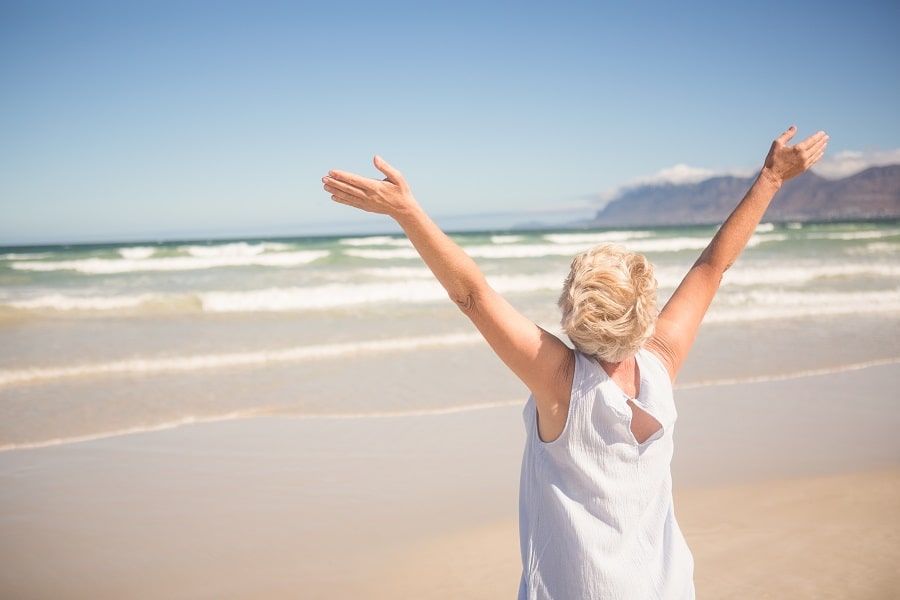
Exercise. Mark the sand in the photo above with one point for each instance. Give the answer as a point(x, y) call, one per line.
point(784, 489)
point(828, 537)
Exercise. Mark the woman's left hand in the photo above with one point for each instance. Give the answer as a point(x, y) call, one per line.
point(389, 196)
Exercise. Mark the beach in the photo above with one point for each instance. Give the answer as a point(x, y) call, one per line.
point(286, 420)
point(796, 503)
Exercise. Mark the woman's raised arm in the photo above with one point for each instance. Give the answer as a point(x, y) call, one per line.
point(681, 317)
point(542, 361)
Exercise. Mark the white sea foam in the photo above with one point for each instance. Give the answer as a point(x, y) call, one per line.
point(506, 239)
point(416, 288)
point(383, 254)
point(61, 302)
point(235, 249)
point(759, 238)
point(137, 252)
point(848, 236)
point(748, 290)
point(198, 362)
point(521, 250)
point(786, 275)
point(764, 305)
point(539, 282)
point(797, 275)
point(780, 297)
point(661, 245)
point(590, 239)
point(24, 256)
point(669, 277)
point(104, 266)
point(376, 240)
point(876, 248)
point(394, 273)
point(324, 297)
point(397, 286)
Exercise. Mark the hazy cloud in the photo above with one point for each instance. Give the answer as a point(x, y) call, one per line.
point(679, 174)
point(850, 162)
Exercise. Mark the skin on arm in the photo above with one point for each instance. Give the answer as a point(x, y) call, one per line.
point(680, 319)
point(539, 359)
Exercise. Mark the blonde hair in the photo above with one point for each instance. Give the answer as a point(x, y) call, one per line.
point(608, 302)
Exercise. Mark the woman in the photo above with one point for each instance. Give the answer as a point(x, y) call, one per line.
point(596, 513)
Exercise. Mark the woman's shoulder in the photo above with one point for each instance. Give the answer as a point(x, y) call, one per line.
point(662, 354)
point(654, 358)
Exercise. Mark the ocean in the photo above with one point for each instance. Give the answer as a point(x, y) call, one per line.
point(112, 339)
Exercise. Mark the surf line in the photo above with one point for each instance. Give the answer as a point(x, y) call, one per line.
point(519, 402)
point(255, 413)
point(129, 431)
point(792, 375)
point(401, 413)
point(149, 366)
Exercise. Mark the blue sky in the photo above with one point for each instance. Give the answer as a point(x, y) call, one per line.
point(154, 120)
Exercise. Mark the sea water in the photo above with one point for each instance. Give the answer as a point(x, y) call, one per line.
point(116, 338)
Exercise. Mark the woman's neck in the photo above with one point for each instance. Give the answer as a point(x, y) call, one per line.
point(625, 374)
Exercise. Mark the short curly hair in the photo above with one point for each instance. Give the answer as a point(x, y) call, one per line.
point(608, 302)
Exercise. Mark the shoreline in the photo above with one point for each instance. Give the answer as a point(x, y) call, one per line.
point(195, 420)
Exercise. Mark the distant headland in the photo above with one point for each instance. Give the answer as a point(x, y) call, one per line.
point(868, 195)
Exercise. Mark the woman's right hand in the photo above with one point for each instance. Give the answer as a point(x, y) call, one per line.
point(389, 196)
point(786, 162)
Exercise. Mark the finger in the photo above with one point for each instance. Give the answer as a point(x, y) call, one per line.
point(817, 139)
point(785, 137)
point(347, 195)
point(348, 199)
point(819, 148)
point(336, 185)
point(818, 151)
point(392, 174)
point(812, 154)
point(357, 181)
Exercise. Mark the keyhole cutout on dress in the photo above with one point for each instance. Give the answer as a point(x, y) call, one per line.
point(643, 425)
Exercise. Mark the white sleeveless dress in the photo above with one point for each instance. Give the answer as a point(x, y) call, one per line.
point(596, 516)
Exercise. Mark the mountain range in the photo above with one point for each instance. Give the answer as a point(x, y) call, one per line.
point(868, 195)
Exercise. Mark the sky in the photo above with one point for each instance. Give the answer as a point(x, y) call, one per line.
point(144, 120)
